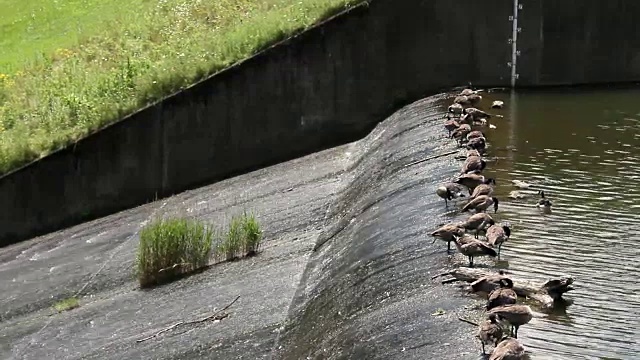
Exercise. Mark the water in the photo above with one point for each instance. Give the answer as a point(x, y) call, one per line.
point(581, 148)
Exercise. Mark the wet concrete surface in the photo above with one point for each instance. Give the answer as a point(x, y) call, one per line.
point(365, 292)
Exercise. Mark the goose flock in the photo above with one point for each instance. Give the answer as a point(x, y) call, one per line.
point(480, 235)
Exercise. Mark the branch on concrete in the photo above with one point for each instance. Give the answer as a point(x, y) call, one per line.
point(218, 315)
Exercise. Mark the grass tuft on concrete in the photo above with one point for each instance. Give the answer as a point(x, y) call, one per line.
point(66, 304)
point(174, 247)
point(243, 238)
point(171, 248)
point(71, 67)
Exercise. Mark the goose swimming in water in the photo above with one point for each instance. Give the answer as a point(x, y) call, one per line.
point(504, 295)
point(508, 349)
point(449, 191)
point(543, 203)
point(489, 332)
point(515, 315)
point(473, 249)
point(498, 235)
point(478, 222)
point(482, 203)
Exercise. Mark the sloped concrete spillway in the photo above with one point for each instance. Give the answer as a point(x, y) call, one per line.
point(365, 292)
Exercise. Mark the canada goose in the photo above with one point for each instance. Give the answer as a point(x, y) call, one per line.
point(488, 283)
point(448, 191)
point(515, 315)
point(451, 125)
point(473, 152)
point(475, 134)
point(473, 163)
point(471, 180)
point(543, 203)
point(476, 114)
point(479, 143)
point(484, 188)
point(473, 249)
point(468, 91)
point(478, 222)
point(468, 100)
point(454, 109)
point(508, 348)
point(504, 295)
point(482, 203)
point(489, 332)
point(497, 104)
point(498, 235)
point(461, 132)
point(447, 233)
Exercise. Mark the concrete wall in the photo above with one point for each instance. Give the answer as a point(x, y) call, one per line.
point(327, 86)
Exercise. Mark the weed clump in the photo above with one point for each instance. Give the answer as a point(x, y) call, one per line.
point(170, 248)
point(243, 238)
point(66, 304)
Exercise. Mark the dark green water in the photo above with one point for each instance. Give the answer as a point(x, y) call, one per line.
point(581, 148)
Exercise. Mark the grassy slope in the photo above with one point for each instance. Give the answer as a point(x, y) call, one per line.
point(69, 67)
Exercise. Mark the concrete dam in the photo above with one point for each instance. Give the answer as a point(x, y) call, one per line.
point(346, 271)
point(341, 172)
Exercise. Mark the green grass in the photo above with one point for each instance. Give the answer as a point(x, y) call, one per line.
point(173, 247)
point(243, 238)
point(66, 304)
point(170, 248)
point(70, 67)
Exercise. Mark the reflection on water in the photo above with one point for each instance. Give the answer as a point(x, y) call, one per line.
point(581, 148)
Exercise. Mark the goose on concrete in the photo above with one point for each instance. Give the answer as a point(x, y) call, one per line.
point(461, 132)
point(475, 134)
point(471, 180)
point(488, 283)
point(498, 235)
point(447, 233)
point(484, 189)
point(478, 222)
point(482, 203)
point(473, 249)
point(450, 125)
point(473, 163)
point(449, 191)
point(454, 109)
point(489, 332)
point(479, 144)
point(468, 100)
point(469, 91)
point(516, 315)
point(508, 349)
point(504, 295)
